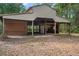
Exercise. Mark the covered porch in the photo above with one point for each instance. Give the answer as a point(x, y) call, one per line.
point(43, 26)
point(38, 26)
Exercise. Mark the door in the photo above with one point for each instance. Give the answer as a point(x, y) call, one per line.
point(15, 27)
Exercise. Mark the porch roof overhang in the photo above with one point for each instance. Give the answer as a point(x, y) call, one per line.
point(32, 17)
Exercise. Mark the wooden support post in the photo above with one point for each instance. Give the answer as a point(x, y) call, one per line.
point(45, 28)
point(69, 28)
point(55, 27)
point(3, 27)
point(32, 28)
point(64, 29)
point(3, 31)
point(58, 28)
point(39, 29)
point(26, 27)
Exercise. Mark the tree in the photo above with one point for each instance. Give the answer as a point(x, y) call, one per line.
point(11, 8)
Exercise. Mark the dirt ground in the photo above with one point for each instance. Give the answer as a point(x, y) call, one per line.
point(51, 45)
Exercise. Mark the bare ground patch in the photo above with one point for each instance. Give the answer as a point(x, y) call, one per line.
point(48, 45)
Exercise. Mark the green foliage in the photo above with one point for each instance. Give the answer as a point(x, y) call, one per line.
point(69, 11)
point(75, 29)
point(63, 28)
point(11, 8)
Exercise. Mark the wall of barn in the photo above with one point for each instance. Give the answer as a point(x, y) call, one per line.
point(15, 27)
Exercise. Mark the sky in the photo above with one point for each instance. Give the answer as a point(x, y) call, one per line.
point(28, 5)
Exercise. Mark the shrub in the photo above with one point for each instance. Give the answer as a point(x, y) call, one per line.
point(75, 29)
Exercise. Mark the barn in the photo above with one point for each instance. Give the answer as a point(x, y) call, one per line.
point(37, 20)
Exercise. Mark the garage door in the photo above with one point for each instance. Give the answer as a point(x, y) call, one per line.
point(15, 27)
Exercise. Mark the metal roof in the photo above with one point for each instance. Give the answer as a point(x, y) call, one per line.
point(42, 11)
